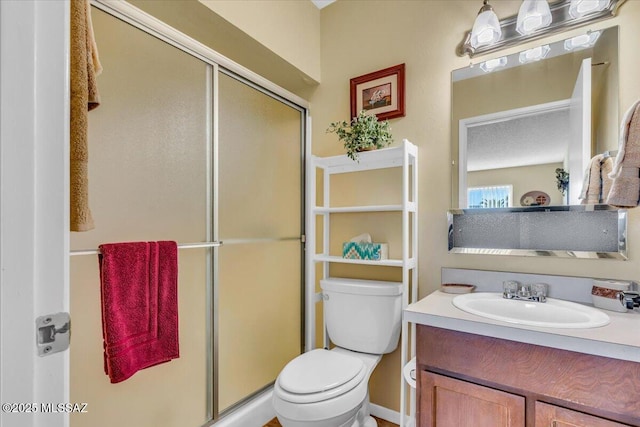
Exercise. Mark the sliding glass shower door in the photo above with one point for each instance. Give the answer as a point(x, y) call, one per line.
point(149, 180)
point(184, 150)
point(258, 318)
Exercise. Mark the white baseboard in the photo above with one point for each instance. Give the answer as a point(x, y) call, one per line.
point(257, 412)
point(385, 413)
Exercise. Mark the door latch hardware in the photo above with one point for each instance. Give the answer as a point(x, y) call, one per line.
point(53, 332)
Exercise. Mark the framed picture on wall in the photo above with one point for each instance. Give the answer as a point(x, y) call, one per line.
point(380, 92)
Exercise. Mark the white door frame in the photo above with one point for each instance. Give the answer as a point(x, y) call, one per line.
point(34, 213)
point(579, 151)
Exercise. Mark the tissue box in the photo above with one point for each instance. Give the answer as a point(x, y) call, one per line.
point(366, 251)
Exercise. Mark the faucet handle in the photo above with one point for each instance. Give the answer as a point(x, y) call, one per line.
point(510, 288)
point(539, 289)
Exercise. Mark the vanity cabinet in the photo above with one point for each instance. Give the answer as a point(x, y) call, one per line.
point(473, 380)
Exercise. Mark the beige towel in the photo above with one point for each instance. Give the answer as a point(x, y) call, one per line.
point(625, 190)
point(84, 97)
point(592, 186)
point(606, 168)
point(597, 184)
point(622, 139)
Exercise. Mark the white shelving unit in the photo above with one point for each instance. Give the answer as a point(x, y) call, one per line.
point(404, 157)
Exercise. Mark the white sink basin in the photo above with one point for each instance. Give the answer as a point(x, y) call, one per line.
point(554, 313)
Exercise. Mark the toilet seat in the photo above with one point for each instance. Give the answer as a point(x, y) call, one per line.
point(320, 375)
point(332, 407)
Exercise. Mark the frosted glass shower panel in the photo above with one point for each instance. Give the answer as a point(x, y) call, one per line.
point(260, 164)
point(259, 312)
point(147, 399)
point(147, 140)
point(259, 266)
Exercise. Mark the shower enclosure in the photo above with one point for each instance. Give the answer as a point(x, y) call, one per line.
point(185, 148)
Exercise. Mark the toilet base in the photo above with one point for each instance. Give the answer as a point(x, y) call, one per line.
point(370, 422)
point(358, 418)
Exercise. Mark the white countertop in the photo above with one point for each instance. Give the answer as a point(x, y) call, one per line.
point(620, 339)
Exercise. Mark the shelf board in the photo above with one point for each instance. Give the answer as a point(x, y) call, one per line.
point(354, 209)
point(385, 262)
point(376, 159)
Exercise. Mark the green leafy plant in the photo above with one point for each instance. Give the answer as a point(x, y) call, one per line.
point(363, 133)
point(562, 180)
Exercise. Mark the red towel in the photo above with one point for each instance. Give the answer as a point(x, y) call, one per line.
point(139, 292)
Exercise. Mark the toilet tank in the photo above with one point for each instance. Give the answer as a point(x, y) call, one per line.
point(363, 315)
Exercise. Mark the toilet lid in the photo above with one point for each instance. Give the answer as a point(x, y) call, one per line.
point(318, 371)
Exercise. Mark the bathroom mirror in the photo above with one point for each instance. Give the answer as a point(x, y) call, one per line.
point(521, 120)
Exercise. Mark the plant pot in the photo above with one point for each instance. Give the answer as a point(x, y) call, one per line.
point(360, 150)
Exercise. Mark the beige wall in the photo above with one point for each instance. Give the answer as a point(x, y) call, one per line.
point(523, 179)
point(605, 93)
point(291, 29)
point(262, 57)
point(424, 34)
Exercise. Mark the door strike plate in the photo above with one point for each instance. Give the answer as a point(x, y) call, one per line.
point(53, 332)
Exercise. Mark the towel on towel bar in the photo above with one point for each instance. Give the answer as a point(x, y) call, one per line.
point(84, 66)
point(625, 190)
point(597, 184)
point(138, 283)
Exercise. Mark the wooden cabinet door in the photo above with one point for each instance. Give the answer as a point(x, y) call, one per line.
point(555, 416)
point(447, 402)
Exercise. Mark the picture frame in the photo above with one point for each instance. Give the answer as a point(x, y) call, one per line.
point(380, 92)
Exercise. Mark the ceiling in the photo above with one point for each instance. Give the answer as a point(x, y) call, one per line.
point(322, 3)
point(525, 141)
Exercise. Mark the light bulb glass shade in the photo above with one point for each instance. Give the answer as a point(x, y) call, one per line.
point(583, 41)
point(492, 64)
point(486, 29)
point(535, 54)
point(533, 15)
point(579, 8)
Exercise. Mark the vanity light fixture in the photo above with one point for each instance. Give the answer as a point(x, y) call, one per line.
point(533, 15)
point(535, 54)
point(530, 23)
point(582, 41)
point(580, 8)
point(492, 64)
point(486, 28)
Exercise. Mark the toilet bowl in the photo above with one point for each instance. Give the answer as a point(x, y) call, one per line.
point(325, 388)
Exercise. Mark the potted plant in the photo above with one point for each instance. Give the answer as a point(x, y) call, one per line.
point(363, 133)
point(562, 180)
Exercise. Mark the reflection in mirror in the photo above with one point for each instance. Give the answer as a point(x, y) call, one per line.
point(524, 128)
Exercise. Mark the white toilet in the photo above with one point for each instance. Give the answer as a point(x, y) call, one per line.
point(329, 388)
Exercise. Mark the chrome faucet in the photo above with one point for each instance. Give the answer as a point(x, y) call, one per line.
point(629, 299)
point(515, 290)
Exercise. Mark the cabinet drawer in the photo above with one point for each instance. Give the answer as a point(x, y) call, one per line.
point(555, 416)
